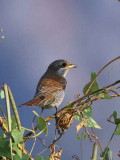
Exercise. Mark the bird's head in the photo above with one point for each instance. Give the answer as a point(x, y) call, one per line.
point(60, 67)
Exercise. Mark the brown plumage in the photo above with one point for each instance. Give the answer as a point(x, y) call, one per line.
point(51, 86)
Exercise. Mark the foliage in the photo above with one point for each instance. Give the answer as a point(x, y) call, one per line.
point(13, 138)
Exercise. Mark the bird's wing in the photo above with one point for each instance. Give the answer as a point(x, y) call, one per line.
point(45, 92)
point(49, 86)
point(40, 100)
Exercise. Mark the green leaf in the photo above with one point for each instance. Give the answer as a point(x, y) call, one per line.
point(88, 111)
point(39, 158)
point(4, 149)
point(42, 125)
point(87, 114)
point(78, 137)
point(92, 123)
point(17, 150)
point(86, 87)
point(78, 117)
point(84, 135)
point(2, 136)
point(110, 155)
point(14, 123)
point(25, 157)
point(119, 126)
point(2, 94)
point(16, 157)
point(17, 135)
point(69, 105)
point(93, 75)
point(94, 87)
point(107, 154)
point(117, 121)
point(47, 158)
point(114, 115)
point(106, 96)
point(117, 132)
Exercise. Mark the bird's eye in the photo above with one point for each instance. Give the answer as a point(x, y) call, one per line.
point(64, 64)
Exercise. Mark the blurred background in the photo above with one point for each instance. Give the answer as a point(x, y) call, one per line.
point(85, 32)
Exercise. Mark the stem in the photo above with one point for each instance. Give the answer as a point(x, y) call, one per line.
point(95, 150)
point(33, 146)
point(112, 136)
point(30, 130)
point(14, 109)
point(100, 72)
point(36, 135)
point(8, 114)
point(7, 106)
point(98, 141)
point(110, 140)
point(86, 95)
point(3, 113)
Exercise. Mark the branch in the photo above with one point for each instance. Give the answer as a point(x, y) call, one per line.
point(102, 89)
point(83, 102)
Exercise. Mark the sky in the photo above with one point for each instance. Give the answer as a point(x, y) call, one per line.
point(85, 32)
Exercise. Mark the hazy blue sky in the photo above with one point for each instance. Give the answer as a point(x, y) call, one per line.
point(37, 32)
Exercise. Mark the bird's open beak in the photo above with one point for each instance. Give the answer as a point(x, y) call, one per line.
point(72, 66)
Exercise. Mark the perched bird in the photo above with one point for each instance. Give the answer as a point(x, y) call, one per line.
point(51, 87)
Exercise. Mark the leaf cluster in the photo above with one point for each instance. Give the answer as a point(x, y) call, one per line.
point(13, 138)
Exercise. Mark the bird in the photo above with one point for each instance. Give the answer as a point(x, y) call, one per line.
point(50, 89)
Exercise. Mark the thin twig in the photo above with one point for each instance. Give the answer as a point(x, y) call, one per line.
point(109, 119)
point(98, 141)
point(113, 60)
point(99, 90)
point(33, 146)
point(88, 134)
point(41, 152)
point(54, 141)
point(3, 114)
point(110, 140)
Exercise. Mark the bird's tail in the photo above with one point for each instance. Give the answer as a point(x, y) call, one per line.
point(33, 102)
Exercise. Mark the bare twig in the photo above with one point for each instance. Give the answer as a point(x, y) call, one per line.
point(98, 141)
point(113, 60)
point(54, 141)
point(110, 140)
point(33, 146)
point(88, 134)
point(86, 95)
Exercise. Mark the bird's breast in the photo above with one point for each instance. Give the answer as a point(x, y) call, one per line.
point(58, 98)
